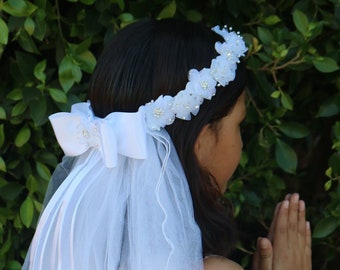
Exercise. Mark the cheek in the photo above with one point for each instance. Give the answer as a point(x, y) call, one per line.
point(233, 158)
point(230, 159)
point(238, 148)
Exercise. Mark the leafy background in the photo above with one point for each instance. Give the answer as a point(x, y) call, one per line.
point(48, 49)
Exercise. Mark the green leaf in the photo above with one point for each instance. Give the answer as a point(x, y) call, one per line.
point(23, 136)
point(285, 156)
point(271, 20)
point(301, 22)
point(286, 101)
point(325, 227)
point(13, 265)
point(27, 211)
point(336, 130)
point(29, 26)
point(294, 130)
point(43, 171)
point(329, 107)
point(276, 94)
point(19, 109)
point(31, 184)
point(2, 135)
point(10, 191)
point(81, 47)
point(26, 63)
point(39, 71)
point(87, 61)
point(40, 24)
point(38, 110)
point(334, 162)
point(120, 3)
point(325, 64)
point(88, 2)
point(15, 95)
point(27, 43)
point(57, 95)
point(4, 32)
point(265, 35)
point(168, 11)
point(69, 73)
point(329, 172)
point(126, 17)
point(2, 165)
point(38, 206)
point(19, 8)
point(328, 185)
point(2, 113)
point(262, 139)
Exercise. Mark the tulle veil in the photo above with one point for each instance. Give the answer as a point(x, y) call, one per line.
point(135, 215)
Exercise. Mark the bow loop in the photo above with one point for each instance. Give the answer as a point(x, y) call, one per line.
point(117, 134)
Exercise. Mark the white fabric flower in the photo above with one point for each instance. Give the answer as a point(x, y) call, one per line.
point(223, 70)
point(203, 84)
point(233, 48)
point(185, 103)
point(159, 112)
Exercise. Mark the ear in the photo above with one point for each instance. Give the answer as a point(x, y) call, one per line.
point(202, 141)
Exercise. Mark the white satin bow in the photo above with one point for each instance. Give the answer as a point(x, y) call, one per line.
point(118, 133)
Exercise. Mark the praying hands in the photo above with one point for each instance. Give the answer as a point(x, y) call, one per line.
point(288, 244)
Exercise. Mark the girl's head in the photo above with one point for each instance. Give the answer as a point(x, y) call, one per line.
point(152, 58)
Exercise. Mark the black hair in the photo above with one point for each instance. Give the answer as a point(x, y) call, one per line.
point(152, 57)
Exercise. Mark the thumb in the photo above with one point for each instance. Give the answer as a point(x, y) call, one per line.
point(264, 254)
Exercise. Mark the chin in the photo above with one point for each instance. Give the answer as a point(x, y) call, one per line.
point(224, 187)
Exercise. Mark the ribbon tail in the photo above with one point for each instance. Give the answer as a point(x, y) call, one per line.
point(108, 145)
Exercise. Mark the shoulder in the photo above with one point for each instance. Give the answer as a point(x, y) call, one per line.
point(220, 263)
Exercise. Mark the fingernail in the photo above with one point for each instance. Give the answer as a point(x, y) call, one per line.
point(295, 197)
point(264, 243)
point(285, 204)
point(302, 206)
point(287, 196)
point(307, 225)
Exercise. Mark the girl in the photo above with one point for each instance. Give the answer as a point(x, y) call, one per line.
point(154, 149)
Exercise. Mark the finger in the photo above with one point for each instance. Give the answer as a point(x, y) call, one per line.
point(308, 235)
point(265, 254)
point(255, 262)
point(308, 248)
point(302, 225)
point(273, 224)
point(293, 219)
point(281, 227)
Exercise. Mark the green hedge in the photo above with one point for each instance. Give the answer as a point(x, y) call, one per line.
point(48, 49)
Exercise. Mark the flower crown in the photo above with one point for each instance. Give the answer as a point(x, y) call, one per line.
point(201, 85)
point(121, 133)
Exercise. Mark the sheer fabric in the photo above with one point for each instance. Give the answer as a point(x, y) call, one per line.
point(136, 215)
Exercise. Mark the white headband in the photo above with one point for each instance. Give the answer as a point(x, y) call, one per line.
point(81, 129)
point(201, 85)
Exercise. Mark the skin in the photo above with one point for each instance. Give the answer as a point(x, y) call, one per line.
point(218, 147)
point(288, 243)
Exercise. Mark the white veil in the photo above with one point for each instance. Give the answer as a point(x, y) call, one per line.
point(126, 208)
